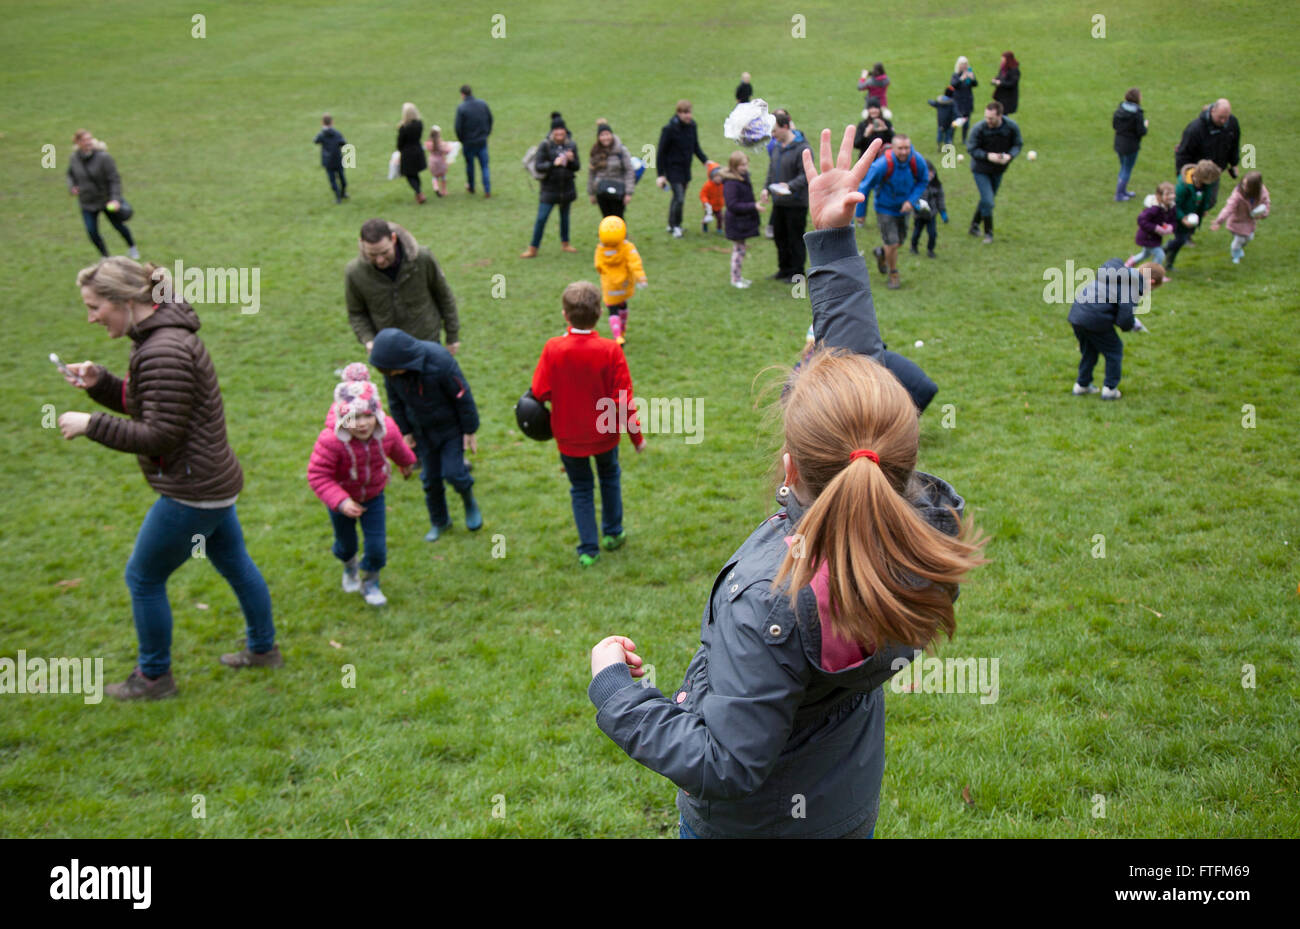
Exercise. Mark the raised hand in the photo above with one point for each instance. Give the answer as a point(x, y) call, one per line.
point(833, 193)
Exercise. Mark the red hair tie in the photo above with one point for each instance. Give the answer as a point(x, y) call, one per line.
point(864, 453)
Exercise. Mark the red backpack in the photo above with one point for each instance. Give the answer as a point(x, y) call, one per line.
point(911, 163)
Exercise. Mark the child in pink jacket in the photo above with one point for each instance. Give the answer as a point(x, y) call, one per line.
point(1248, 203)
point(348, 471)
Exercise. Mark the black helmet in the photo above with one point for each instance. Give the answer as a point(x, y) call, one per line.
point(533, 417)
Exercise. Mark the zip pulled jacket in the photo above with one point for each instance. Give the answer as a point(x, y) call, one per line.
point(177, 424)
point(418, 301)
point(431, 398)
point(95, 178)
point(774, 704)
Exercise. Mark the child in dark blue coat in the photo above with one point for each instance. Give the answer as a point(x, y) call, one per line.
point(431, 403)
point(331, 144)
point(1102, 305)
point(945, 110)
point(927, 219)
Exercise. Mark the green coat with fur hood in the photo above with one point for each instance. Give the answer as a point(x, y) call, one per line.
point(419, 301)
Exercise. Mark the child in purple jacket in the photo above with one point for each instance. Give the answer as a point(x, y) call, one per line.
point(1154, 223)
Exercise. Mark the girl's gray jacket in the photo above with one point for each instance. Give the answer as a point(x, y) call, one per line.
point(760, 738)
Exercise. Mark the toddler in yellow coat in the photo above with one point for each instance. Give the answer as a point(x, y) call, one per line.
point(620, 269)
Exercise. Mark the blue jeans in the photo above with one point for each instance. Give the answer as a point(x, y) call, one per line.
point(686, 832)
point(442, 458)
point(931, 228)
point(91, 219)
point(945, 135)
point(372, 528)
point(338, 183)
point(582, 496)
point(481, 153)
point(1153, 253)
point(167, 539)
point(1126, 163)
point(678, 202)
point(988, 185)
point(1091, 343)
point(543, 214)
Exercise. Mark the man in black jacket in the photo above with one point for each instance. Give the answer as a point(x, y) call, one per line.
point(788, 187)
point(678, 141)
point(473, 126)
point(1214, 135)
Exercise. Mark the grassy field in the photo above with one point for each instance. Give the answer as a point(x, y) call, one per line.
point(1120, 676)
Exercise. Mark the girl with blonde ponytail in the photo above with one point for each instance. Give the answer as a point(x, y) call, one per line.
point(778, 728)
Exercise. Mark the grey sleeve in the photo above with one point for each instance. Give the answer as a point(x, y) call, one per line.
point(844, 315)
point(727, 744)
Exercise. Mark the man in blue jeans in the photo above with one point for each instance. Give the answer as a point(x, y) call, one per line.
point(473, 126)
point(993, 142)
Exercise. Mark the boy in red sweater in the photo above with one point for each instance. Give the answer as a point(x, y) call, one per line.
point(586, 380)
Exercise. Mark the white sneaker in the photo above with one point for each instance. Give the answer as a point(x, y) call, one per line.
point(133, 252)
point(370, 590)
point(742, 283)
point(1081, 391)
point(1110, 393)
point(677, 232)
point(351, 576)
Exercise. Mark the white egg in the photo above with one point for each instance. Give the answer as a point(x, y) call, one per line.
point(919, 343)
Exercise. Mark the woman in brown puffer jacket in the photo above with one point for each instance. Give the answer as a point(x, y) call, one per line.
point(177, 429)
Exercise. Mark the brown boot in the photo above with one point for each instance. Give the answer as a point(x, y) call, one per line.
point(893, 282)
point(139, 687)
point(529, 252)
point(566, 247)
point(247, 659)
point(420, 197)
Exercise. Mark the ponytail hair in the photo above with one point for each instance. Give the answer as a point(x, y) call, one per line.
point(121, 280)
point(892, 576)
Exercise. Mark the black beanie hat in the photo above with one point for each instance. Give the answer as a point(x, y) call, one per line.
point(602, 126)
point(557, 121)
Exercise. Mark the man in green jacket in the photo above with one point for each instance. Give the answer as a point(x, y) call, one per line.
point(395, 282)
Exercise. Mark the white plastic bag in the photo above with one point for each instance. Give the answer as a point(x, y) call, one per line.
point(749, 123)
point(394, 166)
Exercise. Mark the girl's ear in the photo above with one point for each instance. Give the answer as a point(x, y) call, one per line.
point(791, 472)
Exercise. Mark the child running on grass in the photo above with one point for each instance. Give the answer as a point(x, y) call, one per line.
point(778, 727)
point(1247, 205)
point(586, 380)
point(1101, 306)
point(1154, 223)
point(349, 472)
point(433, 406)
point(621, 272)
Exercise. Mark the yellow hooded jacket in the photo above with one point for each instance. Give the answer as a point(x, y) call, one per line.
point(620, 271)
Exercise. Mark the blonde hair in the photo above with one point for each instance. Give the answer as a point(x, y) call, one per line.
point(892, 575)
point(121, 280)
point(961, 59)
point(409, 113)
point(1164, 186)
point(732, 171)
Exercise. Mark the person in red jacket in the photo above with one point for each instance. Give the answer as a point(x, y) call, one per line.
point(586, 380)
point(348, 471)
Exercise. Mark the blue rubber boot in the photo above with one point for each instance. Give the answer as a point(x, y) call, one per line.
point(473, 515)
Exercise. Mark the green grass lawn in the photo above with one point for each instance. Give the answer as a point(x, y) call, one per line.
point(1120, 676)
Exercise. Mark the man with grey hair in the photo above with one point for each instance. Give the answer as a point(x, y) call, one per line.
point(1214, 135)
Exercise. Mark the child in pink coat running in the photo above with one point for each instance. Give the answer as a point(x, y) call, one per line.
point(1247, 205)
point(349, 471)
